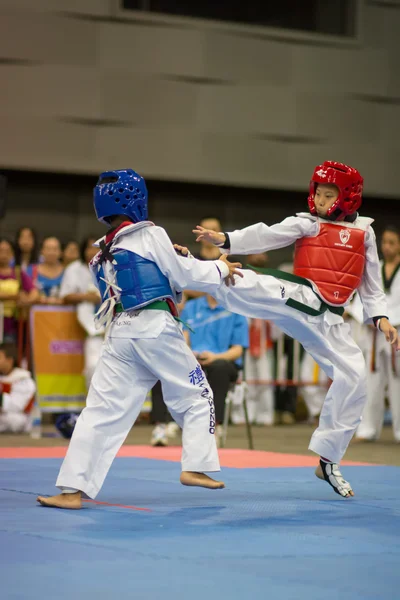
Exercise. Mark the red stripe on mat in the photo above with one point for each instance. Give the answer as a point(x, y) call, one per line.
point(237, 458)
point(118, 505)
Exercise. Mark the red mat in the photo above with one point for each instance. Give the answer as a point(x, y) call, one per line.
point(237, 458)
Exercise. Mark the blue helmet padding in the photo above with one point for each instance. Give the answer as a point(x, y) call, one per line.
point(121, 192)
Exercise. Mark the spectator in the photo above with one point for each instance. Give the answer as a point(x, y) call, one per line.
point(77, 279)
point(49, 272)
point(70, 253)
point(26, 250)
point(384, 362)
point(16, 291)
point(208, 251)
point(218, 340)
point(17, 392)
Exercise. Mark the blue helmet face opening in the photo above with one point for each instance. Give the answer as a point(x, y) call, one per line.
point(121, 192)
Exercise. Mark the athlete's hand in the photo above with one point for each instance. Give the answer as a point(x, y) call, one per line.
point(390, 333)
point(233, 270)
point(208, 235)
point(182, 250)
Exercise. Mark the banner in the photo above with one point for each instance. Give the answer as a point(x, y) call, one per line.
point(58, 360)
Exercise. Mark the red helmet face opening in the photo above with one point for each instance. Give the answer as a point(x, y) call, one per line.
point(347, 180)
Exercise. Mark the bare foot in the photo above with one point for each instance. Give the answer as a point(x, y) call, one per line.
point(200, 480)
point(71, 501)
point(335, 480)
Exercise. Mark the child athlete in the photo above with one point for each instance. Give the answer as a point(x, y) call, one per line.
point(140, 278)
point(335, 255)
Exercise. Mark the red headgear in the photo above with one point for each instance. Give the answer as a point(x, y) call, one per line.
point(349, 182)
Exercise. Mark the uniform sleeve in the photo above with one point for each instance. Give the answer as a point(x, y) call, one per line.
point(183, 272)
point(21, 393)
point(371, 292)
point(85, 316)
point(262, 238)
point(240, 335)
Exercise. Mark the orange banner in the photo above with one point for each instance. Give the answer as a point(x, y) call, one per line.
point(58, 361)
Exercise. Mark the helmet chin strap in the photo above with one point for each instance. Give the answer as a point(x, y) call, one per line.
point(334, 216)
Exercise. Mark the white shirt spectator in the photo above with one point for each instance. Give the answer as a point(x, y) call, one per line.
point(76, 280)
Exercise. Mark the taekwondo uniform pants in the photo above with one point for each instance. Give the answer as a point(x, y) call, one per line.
point(313, 394)
point(92, 351)
point(326, 337)
point(128, 368)
point(260, 397)
point(383, 379)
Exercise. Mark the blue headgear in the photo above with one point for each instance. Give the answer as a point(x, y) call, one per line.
point(120, 192)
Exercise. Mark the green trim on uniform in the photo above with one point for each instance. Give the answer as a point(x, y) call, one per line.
point(157, 305)
point(337, 310)
point(282, 275)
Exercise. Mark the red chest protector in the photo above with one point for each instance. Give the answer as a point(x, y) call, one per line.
point(333, 260)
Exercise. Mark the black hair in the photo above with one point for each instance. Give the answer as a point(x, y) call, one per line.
point(84, 245)
point(17, 251)
point(391, 229)
point(119, 218)
point(11, 351)
point(9, 242)
point(210, 217)
point(63, 246)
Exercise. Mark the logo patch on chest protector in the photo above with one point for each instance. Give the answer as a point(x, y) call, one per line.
point(344, 235)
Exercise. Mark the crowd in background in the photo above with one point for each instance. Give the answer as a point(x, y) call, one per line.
point(227, 346)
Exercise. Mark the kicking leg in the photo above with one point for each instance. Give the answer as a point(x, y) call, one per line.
point(329, 344)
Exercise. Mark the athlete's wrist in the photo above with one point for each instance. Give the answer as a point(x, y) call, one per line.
point(225, 243)
point(377, 321)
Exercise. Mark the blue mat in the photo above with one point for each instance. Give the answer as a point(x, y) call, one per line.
point(272, 533)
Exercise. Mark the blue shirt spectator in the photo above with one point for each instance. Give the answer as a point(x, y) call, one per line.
point(215, 329)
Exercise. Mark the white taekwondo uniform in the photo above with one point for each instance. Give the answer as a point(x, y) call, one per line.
point(325, 336)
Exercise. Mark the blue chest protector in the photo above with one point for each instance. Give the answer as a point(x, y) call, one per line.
point(140, 280)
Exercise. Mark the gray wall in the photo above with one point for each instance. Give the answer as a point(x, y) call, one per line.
point(83, 88)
